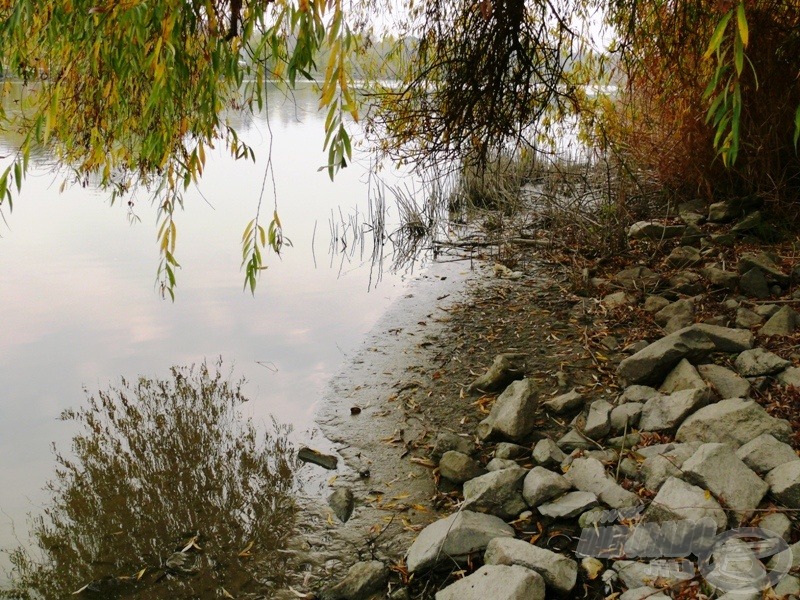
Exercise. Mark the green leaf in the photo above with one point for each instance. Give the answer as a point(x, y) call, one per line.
point(796, 127)
point(719, 32)
point(741, 21)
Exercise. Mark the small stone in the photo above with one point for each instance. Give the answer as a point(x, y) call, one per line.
point(766, 263)
point(597, 422)
point(766, 310)
point(778, 523)
point(569, 505)
point(784, 322)
point(498, 464)
point(496, 581)
point(450, 441)
point(791, 376)
point(653, 304)
point(721, 278)
point(784, 483)
point(684, 256)
point(547, 453)
point(589, 475)
point(498, 493)
point(342, 503)
point(746, 318)
point(363, 579)
point(326, 461)
point(513, 415)
point(458, 467)
point(637, 393)
point(753, 284)
point(679, 500)
point(541, 485)
point(564, 403)
point(683, 377)
point(617, 300)
point(725, 382)
point(764, 453)
point(573, 440)
point(716, 468)
point(454, 538)
point(637, 279)
point(665, 413)
point(722, 212)
point(692, 236)
point(749, 223)
point(504, 369)
point(653, 230)
point(683, 308)
point(756, 362)
point(558, 571)
point(625, 416)
point(507, 450)
point(686, 282)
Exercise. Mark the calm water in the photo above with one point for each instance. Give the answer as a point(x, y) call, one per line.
point(79, 308)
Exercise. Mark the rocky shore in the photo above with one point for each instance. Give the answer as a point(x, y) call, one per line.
point(627, 432)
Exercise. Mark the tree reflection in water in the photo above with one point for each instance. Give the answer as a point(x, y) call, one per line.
point(168, 493)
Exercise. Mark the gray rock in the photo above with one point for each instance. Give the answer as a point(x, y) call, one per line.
point(624, 442)
point(791, 376)
point(746, 318)
point(446, 441)
point(692, 236)
point(784, 322)
point(643, 593)
point(679, 500)
point(725, 382)
point(736, 570)
point(592, 517)
point(504, 369)
point(507, 450)
point(753, 284)
point(569, 505)
point(653, 230)
point(625, 416)
point(637, 279)
point(597, 421)
point(574, 440)
point(639, 574)
point(657, 469)
point(547, 453)
point(498, 464)
point(342, 503)
point(784, 483)
point(722, 212)
point(749, 223)
point(720, 278)
point(788, 587)
point(497, 493)
point(454, 538)
point(716, 468)
point(683, 377)
point(564, 403)
point(655, 361)
point(653, 304)
point(766, 263)
point(617, 300)
point(496, 581)
point(326, 461)
point(513, 414)
point(733, 421)
point(637, 393)
point(687, 282)
point(726, 339)
point(589, 475)
point(766, 310)
point(719, 321)
point(757, 362)
point(558, 571)
point(541, 485)
point(684, 256)
point(683, 307)
point(458, 467)
point(723, 239)
point(778, 523)
point(764, 453)
point(665, 413)
point(362, 581)
point(610, 343)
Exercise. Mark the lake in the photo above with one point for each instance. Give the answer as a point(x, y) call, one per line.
point(80, 310)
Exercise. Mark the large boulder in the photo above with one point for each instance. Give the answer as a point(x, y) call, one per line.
point(454, 538)
point(513, 414)
point(497, 582)
point(734, 421)
point(651, 364)
point(558, 571)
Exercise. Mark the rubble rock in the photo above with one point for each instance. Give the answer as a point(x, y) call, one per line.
point(784, 483)
point(498, 464)
point(504, 369)
point(541, 485)
point(625, 416)
point(736, 570)
point(683, 308)
point(639, 574)
point(507, 450)
point(657, 469)
point(558, 571)
point(653, 304)
point(764, 453)
point(726, 339)
point(547, 453)
point(497, 493)
point(513, 414)
point(716, 468)
point(597, 422)
point(617, 300)
point(766, 263)
point(757, 362)
point(454, 538)
point(722, 212)
point(734, 421)
point(679, 500)
point(458, 468)
point(692, 236)
point(791, 376)
point(684, 256)
point(342, 503)
point(746, 318)
point(749, 223)
point(653, 230)
point(362, 581)
point(778, 523)
point(496, 581)
point(657, 359)
point(446, 441)
point(637, 393)
point(574, 440)
point(784, 322)
point(637, 279)
point(589, 475)
point(564, 403)
point(683, 377)
point(753, 284)
point(569, 505)
point(721, 278)
point(725, 382)
point(665, 413)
